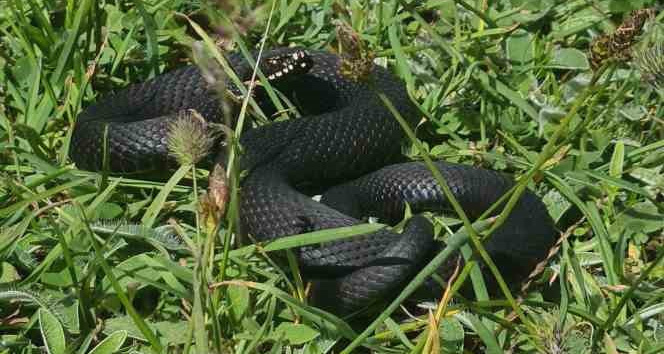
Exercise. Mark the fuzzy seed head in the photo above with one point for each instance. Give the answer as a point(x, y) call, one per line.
point(190, 139)
point(650, 62)
point(617, 45)
point(356, 59)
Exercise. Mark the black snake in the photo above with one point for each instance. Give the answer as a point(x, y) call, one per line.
point(346, 142)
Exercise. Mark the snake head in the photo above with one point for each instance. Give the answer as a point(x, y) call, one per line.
point(277, 65)
point(291, 63)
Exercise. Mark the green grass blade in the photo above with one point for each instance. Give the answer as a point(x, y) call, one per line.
point(151, 35)
point(158, 203)
point(72, 36)
point(41, 196)
point(488, 339)
point(608, 259)
point(310, 238)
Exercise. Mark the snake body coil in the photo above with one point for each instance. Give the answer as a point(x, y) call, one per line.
point(346, 135)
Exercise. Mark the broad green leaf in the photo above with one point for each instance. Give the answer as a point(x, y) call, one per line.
point(651, 176)
point(451, 335)
point(110, 344)
point(295, 334)
point(520, 47)
point(556, 204)
point(622, 6)
point(143, 270)
point(238, 297)
point(642, 217)
point(569, 59)
point(171, 332)
point(8, 273)
point(52, 332)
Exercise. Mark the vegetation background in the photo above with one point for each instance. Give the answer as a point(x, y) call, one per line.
point(94, 263)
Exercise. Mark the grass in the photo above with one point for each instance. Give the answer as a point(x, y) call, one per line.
point(102, 263)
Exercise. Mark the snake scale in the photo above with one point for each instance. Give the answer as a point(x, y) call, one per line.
point(346, 143)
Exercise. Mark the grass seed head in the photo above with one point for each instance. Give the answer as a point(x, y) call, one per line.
point(356, 58)
point(189, 138)
point(617, 45)
point(650, 62)
point(213, 203)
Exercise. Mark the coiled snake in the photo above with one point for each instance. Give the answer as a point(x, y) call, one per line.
point(346, 134)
